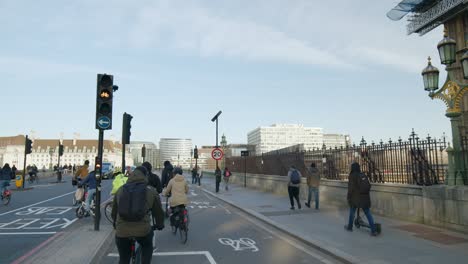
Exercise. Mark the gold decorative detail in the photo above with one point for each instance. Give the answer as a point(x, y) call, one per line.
point(451, 94)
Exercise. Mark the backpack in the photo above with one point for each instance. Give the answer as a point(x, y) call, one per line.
point(364, 184)
point(132, 202)
point(295, 178)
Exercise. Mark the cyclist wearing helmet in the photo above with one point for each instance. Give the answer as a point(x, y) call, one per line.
point(178, 188)
point(153, 179)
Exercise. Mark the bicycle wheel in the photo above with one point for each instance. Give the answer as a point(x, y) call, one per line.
point(108, 212)
point(6, 199)
point(183, 233)
point(80, 212)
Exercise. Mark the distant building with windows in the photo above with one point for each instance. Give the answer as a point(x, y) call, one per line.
point(45, 152)
point(152, 153)
point(176, 150)
point(283, 136)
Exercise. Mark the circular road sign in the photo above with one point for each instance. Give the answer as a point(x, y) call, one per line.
point(217, 154)
point(104, 122)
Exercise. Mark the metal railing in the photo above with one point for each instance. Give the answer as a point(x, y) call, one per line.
point(415, 161)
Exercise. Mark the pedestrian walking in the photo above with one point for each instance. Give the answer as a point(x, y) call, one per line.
point(359, 197)
point(194, 175)
point(313, 182)
point(226, 175)
point(294, 183)
point(199, 175)
point(218, 178)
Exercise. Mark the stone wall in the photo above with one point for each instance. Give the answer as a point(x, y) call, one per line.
point(440, 205)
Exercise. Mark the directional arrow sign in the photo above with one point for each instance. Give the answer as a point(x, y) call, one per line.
point(103, 122)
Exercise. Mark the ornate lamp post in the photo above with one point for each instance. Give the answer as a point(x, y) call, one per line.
point(451, 93)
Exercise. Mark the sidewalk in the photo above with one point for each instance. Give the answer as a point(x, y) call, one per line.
point(400, 241)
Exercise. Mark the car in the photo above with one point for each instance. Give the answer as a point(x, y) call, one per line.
point(107, 170)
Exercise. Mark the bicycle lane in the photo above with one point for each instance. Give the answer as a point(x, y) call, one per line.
point(26, 229)
point(219, 233)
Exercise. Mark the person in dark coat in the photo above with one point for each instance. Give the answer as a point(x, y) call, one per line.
point(5, 177)
point(218, 178)
point(166, 173)
point(357, 199)
point(153, 179)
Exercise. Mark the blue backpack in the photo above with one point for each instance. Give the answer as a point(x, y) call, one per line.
point(295, 177)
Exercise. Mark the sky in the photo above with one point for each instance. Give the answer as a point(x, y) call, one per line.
point(340, 65)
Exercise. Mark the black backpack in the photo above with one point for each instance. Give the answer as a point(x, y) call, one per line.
point(364, 184)
point(132, 202)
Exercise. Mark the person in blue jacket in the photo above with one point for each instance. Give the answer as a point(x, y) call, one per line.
point(90, 180)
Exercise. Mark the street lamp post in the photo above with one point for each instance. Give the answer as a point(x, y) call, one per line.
point(51, 152)
point(451, 93)
point(191, 154)
point(215, 118)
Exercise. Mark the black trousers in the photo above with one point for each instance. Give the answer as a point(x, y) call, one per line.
point(146, 244)
point(294, 193)
point(217, 185)
point(194, 179)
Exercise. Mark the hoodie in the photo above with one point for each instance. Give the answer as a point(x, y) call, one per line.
point(313, 177)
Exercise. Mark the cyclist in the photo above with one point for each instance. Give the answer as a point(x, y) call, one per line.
point(178, 188)
point(167, 173)
point(119, 180)
point(91, 181)
point(140, 228)
point(5, 177)
point(83, 171)
point(153, 179)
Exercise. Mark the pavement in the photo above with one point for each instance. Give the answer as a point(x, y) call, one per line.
point(323, 229)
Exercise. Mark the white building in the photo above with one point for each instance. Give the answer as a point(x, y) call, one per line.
point(336, 140)
point(176, 150)
point(280, 136)
point(152, 152)
point(45, 152)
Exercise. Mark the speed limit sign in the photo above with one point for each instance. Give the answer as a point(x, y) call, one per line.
point(217, 154)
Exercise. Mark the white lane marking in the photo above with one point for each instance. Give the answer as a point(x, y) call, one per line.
point(45, 201)
point(186, 253)
point(209, 197)
point(29, 233)
point(227, 211)
point(292, 243)
point(242, 243)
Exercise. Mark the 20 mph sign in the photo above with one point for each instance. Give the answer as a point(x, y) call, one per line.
point(217, 154)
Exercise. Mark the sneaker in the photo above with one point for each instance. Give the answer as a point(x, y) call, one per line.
point(307, 204)
point(348, 229)
point(292, 208)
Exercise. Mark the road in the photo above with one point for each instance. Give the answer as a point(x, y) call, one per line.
point(34, 216)
point(219, 233)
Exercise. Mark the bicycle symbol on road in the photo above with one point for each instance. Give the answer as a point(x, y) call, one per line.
point(239, 245)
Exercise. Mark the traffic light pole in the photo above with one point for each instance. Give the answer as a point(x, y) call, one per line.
point(123, 158)
point(97, 219)
point(25, 155)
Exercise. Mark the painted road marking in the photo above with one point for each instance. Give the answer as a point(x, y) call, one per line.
point(12, 211)
point(34, 250)
point(28, 233)
point(240, 244)
point(53, 210)
point(207, 254)
point(41, 223)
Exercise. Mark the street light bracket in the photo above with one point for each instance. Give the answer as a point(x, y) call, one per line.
point(216, 116)
point(451, 94)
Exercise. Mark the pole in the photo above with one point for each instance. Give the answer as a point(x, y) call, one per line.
point(97, 219)
point(216, 140)
point(123, 158)
point(59, 176)
point(24, 164)
point(245, 172)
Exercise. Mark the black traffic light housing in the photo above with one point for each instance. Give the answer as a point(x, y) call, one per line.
point(195, 153)
point(126, 128)
point(28, 145)
point(60, 150)
point(105, 94)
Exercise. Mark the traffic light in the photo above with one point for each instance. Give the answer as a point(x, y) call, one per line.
point(60, 150)
point(105, 91)
point(126, 127)
point(195, 153)
point(28, 145)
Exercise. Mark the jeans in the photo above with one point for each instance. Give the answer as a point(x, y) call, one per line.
point(5, 184)
point(194, 179)
point(91, 193)
point(226, 183)
point(314, 190)
point(146, 244)
point(294, 193)
point(199, 180)
point(352, 211)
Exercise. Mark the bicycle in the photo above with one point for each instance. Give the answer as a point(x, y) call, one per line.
point(81, 211)
point(6, 194)
point(180, 223)
point(33, 178)
point(108, 211)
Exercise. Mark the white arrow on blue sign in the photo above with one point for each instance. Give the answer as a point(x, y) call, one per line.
point(103, 122)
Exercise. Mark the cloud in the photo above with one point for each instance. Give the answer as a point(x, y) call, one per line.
point(196, 29)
